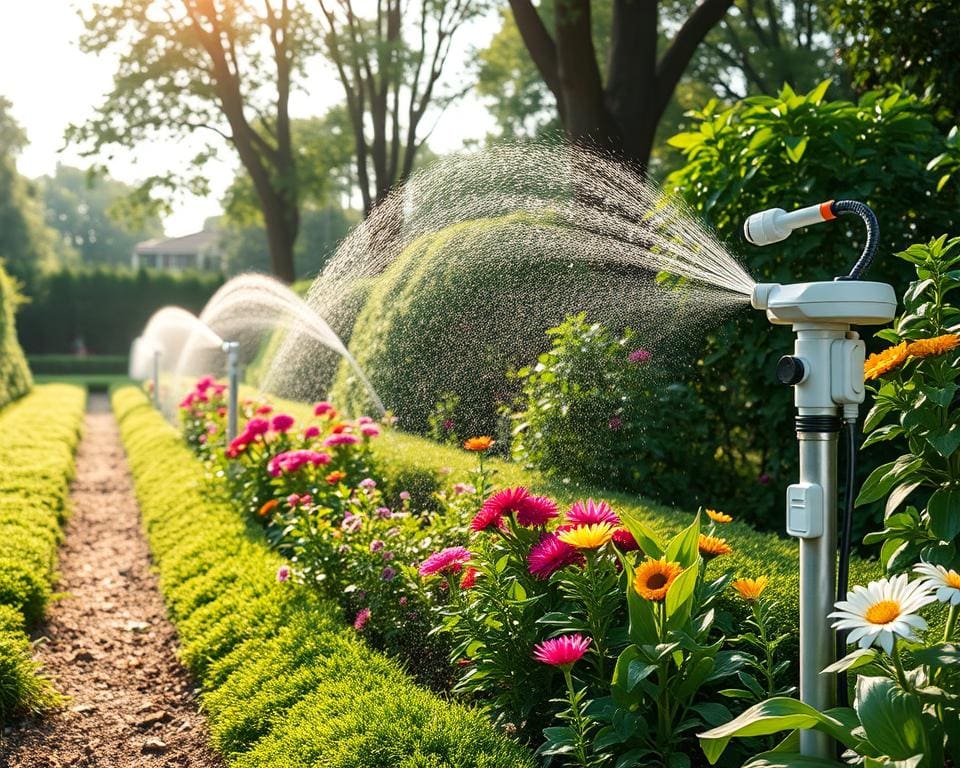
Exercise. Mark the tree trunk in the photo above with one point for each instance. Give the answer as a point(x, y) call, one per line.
point(282, 222)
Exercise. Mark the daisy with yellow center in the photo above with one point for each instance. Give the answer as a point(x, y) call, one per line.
point(588, 536)
point(751, 589)
point(938, 345)
point(945, 584)
point(713, 546)
point(886, 361)
point(882, 611)
point(654, 577)
point(718, 517)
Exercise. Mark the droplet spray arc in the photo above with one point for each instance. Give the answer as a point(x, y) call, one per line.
point(826, 371)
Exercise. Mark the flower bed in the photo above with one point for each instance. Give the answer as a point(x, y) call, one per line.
point(40, 433)
point(284, 683)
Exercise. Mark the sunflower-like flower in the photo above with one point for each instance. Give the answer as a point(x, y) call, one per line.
point(938, 345)
point(884, 362)
point(944, 583)
point(713, 546)
point(654, 577)
point(882, 611)
point(718, 517)
point(588, 536)
point(478, 444)
point(751, 589)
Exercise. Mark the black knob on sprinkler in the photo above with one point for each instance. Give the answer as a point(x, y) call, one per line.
point(790, 370)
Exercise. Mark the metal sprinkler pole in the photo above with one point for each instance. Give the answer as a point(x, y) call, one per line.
point(156, 378)
point(232, 348)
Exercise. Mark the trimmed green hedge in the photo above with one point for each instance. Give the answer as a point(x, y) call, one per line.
point(15, 378)
point(284, 683)
point(72, 365)
point(40, 432)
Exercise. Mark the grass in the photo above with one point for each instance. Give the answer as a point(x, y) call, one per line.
point(93, 382)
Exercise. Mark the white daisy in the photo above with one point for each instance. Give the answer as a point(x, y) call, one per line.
point(946, 583)
point(883, 610)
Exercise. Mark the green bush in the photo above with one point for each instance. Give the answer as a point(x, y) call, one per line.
point(788, 151)
point(15, 377)
point(105, 308)
point(283, 682)
point(72, 365)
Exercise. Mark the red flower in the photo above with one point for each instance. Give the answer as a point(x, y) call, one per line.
point(469, 578)
point(624, 540)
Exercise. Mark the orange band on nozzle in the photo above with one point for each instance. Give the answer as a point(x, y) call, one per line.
point(826, 210)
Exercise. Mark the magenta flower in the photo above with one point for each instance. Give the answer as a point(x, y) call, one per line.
point(258, 426)
point(405, 495)
point(624, 540)
point(486, 519)
point(364, 420)
point(341, 439)
point(322, 408)
point(370, 430)
point(388, 573)
point(550, 555)
point(368, 483)
point(293, 499)
point(640, 356)
point(311, 432)
point(449, 560)
point(283, 573)
point(363, 616)
point(205, 383)
point(461, 488)
point(504, 502)
point(351, 523)
point(376, 545)
point(281, 422)
point(384, 513)
point(264, 410)
point(292, 461)
point(615, 423)
point(563, 651)
point(591, 512)
point(536, 510)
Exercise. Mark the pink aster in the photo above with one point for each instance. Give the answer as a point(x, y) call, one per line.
point(449, 560)
point(486, 519)
point(283, 573)
point(364, 420)
point(640, 356)
point(536, 510)
point(341, 439)
point(263, 410)
point(550, 555)
point(258, 426)
point(624, 540)
point(281, 422)
point(205, 383)
point(322, 408)
point(370, 430)
point(363, 616)
point(505, 502)
point(590, 512)
point(563, 651)
point(311, 432)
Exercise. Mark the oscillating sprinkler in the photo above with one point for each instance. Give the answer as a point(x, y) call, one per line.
point(232, 348)
point(826, 371)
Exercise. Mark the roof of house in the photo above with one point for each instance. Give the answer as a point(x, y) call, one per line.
point(175, 246)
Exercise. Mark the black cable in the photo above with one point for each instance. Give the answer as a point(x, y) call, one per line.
point(843, 570)
point(840, 207)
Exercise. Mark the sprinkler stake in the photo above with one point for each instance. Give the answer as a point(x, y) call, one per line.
point(232, 348)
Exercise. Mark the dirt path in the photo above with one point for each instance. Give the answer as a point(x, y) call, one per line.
point(109, 645)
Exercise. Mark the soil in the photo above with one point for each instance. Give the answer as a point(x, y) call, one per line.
point(107, 642)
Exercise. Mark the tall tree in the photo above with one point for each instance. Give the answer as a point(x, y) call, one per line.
point(222, 66)
point(390, 66)
point(620, 108)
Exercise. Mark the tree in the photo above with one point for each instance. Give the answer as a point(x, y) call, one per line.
point(223, 66)
point(621, 110)
point(79, 205)
point(390, 67)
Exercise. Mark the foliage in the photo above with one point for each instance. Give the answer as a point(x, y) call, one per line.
point(23, 687)
point(48, 365)
point(916, 404)
point(788, 151)
point(15, 379)
point(273, 659)
point(104, 308)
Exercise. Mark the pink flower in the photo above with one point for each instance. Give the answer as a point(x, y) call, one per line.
point(563, 651)
point(283, 573)
point(502, 503)
point(322, 408)
point(370, 430)
point(263, 410)
point(376, 545)
point(487, 518)
point(384, 513)
point(469, 578)
point(351, 523)
point(639, 356)
point(388, 573)
point(624, 540)
point(615, 423)
point(449, 560)
point(291, 461)
point(461, 488)
point(363, 616)
point(550, 555)
point(405, 495)
point(536, 510)
point(311, 432)
point(368, 483)
point(281, 422)
point(341, 439)
point(590, 512)
point(205, 383)
point(258, 426)
point(364, 420)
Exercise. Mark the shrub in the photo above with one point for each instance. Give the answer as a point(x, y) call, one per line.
point(15, 377)
point(73, 365)
point(23, 688)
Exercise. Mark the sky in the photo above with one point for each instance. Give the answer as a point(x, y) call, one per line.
point(53, 84)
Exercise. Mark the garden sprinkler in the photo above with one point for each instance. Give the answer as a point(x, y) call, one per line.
point(827, 373)
point(232, 348)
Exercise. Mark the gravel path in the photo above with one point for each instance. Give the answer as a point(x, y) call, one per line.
point(107, 643)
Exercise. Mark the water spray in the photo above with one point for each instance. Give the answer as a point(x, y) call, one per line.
point(826, 371)
point(156, 378)
point(232, 348)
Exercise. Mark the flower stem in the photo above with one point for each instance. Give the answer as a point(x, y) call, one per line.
point(951, 623)
point(577, 721)
point(898, 665)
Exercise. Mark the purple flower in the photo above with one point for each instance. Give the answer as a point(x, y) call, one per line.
point(363, 616)
point(283, 573)
point(376, 545)
point(615, 423)
point(461, 488)
point(368, 484)
point(764, 479)
point(387, 554)
point(639, 356)
point(448, 424)
point(384, 513)
point(388, 573)
point(351, 523)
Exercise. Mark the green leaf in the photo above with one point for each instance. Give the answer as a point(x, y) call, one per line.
point(886, 432)
point(790, 760)
point(644, 535)
point(681, 591)
point(816, 95)
point(884, 477)
point(858, 658)
point(643, 623)
point(945, 440)
point(684, 547)
point(892, 720)
point(899, 495)
point(796, 146)
point(944, 511)
point(685, 140)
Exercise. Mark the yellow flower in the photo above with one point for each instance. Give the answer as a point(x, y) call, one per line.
point(478, 444)
point(654, 577)
point(718, 517)
point(938, 345)
point(588, 536)
point(712, 546)
point(886, 361)
point(751, 589)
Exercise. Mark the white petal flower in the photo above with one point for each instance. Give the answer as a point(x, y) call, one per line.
point(945, 583)
point(882, 611)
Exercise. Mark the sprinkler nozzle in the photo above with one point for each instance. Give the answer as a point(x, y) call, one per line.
point(775, 224)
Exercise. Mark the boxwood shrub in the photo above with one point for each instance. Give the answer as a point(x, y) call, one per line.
point(14, 374)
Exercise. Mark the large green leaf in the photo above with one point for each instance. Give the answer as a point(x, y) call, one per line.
point(645, 537)
point(944, 511)
point(680, 595)
point(643, 623)
point(790, 760)
point(891, 719)
point(884, 477)
point(684, 547)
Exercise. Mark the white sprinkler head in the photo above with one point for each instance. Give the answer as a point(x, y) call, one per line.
point(835, 302)
point(775, 224)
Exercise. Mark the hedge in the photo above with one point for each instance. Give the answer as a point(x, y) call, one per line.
point(74, 365)
point(40, 433)
point(283, 682)
point(15, 378)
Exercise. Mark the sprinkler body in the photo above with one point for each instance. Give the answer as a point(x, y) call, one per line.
point(232, 348)
point(826, 370)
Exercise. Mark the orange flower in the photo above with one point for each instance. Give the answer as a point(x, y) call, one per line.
point(751, 589)
point(712, 546)
point(654, 577)
point(268, 507)
point(886, 361)
point(478, 444)
point(718, 517)
point(335, 477)
point(938, 345)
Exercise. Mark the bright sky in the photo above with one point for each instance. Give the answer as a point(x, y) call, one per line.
point(52, 84)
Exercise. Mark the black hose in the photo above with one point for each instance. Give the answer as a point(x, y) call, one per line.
point(843, 570)
point(841, 207)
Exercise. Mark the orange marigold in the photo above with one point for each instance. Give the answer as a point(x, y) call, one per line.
point(335, 477)
point(938, 345)
point(886, 361)
point(654, 577)
point(751, 589)
point(268, 507)
point(478, 444)
point(718, 517)
point(713, 546)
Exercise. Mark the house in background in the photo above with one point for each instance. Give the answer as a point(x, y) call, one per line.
point(200, 251)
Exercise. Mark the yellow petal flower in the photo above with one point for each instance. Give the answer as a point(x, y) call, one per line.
point(588, 536)
point(751, 589)
point(654, 577)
